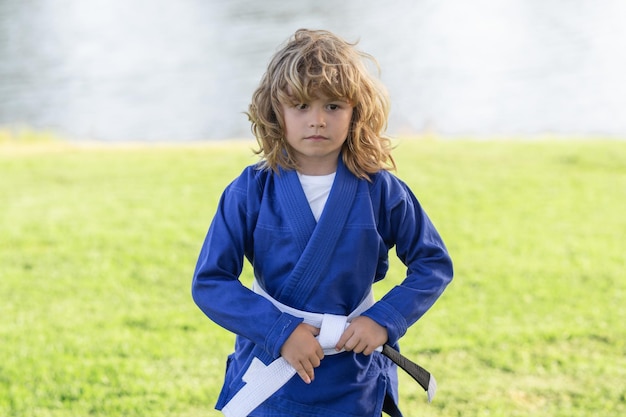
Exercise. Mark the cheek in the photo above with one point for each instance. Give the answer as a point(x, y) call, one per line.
point(288, 128)
point(289, 122)
point(348, 121)
point(349, 117)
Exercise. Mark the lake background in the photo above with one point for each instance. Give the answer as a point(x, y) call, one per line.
point(162, 70)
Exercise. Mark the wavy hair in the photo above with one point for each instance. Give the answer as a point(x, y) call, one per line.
point(313, 63)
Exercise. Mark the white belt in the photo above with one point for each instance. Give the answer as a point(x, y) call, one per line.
point(264, 380)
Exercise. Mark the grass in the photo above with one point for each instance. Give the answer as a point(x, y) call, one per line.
point(98, 244)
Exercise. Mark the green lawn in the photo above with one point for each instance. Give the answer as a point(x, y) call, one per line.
point(98, 245)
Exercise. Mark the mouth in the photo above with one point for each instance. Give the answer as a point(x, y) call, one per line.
point(316, 137)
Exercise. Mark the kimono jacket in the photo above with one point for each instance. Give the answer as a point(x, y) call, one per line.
point(325, 267)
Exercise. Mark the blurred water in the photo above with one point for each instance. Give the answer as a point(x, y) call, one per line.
point(153, 70)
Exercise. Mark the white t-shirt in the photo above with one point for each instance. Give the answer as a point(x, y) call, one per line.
point(317, 188)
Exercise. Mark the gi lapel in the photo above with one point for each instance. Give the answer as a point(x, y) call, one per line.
point(293, 200)
point(323, 239)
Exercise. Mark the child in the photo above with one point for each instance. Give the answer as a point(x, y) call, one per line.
point(316, 218)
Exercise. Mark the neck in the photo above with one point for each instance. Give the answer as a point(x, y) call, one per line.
point(316, 173)
point(317, 168)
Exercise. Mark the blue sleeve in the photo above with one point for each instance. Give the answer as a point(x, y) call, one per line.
point(216, 288)
point(420, 247)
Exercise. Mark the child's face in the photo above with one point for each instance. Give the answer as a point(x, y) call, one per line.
point(316, 131)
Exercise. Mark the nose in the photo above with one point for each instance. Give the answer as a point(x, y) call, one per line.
point(317, 119)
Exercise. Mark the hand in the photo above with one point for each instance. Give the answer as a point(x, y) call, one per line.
point(363, 335)
point(303, 351)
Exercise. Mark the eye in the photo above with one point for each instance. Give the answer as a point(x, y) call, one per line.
point(301, 106)
point(337, 105)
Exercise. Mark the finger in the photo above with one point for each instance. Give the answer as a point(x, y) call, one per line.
point(320, 353)
point(369, 350)
point(304, 374)
point(308, 368)
point(315, 331)
point(345, 336)
point(350, 344)
point(315, 361)
point(360, 347)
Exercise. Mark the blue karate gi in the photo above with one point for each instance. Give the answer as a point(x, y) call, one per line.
point(324, 267)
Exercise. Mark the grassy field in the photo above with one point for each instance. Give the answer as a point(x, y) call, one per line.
point(98, 245)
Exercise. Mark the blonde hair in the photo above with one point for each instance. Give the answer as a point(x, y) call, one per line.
point(314, 62)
